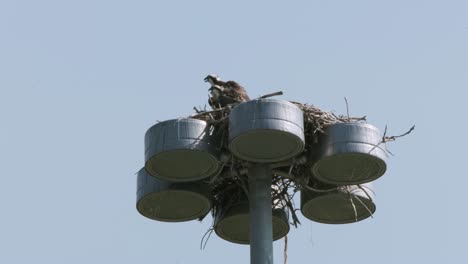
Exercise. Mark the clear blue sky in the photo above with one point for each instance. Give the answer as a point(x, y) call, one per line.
point(81, 81)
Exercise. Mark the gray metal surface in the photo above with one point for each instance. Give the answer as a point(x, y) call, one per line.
point(349, 153)
point(182, 150)
point(261, 235)
point(336, 207)
point(171, 202)
point(232, 224)
point(266, 130)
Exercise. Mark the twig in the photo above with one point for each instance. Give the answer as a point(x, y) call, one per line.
point(393, 138)
point(347, 107)
point(209, 232)
point(364, 190)
point(365, 206)
point(209, 112)
point(354, 206)
point(271, 95)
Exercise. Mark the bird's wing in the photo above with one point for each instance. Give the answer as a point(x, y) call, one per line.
point(237, 91)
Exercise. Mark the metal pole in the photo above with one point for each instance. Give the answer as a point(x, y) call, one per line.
point(261, 231)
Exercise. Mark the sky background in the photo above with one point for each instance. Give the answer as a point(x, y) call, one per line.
point(82, 81)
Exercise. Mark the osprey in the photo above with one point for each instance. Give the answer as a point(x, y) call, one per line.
point(224, 93)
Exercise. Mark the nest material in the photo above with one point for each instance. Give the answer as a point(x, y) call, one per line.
point(231, 185)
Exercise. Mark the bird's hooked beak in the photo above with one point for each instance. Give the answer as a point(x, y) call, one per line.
point(211, 78)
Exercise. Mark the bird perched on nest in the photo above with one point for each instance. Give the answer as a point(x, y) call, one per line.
point(224, 93)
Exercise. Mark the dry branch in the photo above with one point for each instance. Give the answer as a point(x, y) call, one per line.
point(393, 138)
point(271, 95)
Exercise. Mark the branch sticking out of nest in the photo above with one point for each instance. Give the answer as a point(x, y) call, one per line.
point(271, 95)
point(211, 116)
point(393, 138)
point(206, 237)
point(347, 106)
point(386, 138)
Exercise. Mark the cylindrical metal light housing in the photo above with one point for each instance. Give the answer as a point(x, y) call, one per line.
point(266, 130)
point(171, 202)
point(232, 224)
point(350, 153)
point(346, 204)
point(182, 150)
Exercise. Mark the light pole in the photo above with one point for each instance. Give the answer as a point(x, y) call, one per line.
point(261, 235)
point(197, 164)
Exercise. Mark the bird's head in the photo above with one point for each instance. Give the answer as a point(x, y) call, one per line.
point(212, 79)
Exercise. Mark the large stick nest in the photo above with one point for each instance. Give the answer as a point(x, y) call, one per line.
point(231, 185)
